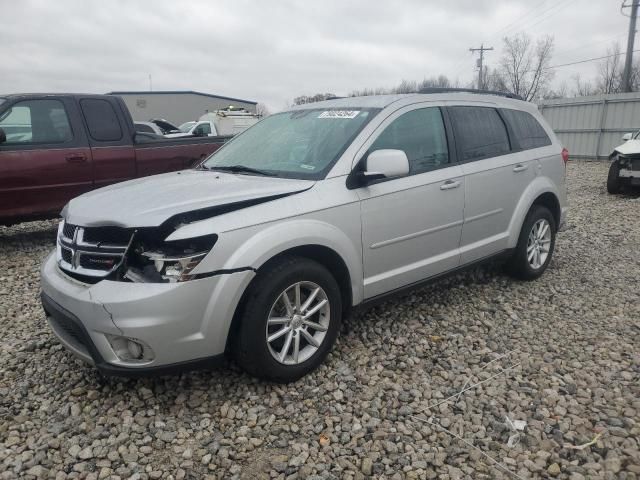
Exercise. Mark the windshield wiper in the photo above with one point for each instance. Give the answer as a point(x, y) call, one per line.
point(239, 169)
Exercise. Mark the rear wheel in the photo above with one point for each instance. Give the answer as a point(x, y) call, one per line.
point(535, 244)
point(614, 185)
point(290, 320)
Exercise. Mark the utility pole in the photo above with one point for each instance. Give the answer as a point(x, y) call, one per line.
point(480, 60)
point(626, 76)
point(150, 84)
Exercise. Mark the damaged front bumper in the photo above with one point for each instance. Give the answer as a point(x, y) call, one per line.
point(178, 325)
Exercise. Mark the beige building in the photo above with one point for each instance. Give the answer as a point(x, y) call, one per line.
point(177, 106)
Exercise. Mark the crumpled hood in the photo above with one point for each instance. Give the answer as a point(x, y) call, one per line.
point(150, 201)
point(630, 147)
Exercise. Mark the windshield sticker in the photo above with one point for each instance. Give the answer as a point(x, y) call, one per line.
point(307, 167)
point(339, 114)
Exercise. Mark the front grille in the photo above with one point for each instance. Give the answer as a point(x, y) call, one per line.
point(68, 230)
point(91, 252)
point(67, 255)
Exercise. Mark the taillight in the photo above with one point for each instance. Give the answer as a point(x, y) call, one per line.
point(565, 155)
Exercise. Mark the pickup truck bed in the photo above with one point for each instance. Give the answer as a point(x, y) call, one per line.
point(59, 146)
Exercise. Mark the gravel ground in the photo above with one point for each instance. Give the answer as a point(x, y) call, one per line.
point(560, 353)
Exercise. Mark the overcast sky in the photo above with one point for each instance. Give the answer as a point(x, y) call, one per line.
point(273, 51)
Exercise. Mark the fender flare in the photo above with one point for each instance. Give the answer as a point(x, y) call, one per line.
point(539, 186)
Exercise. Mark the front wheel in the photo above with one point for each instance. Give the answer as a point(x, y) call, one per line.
point(535, 244)
point(613, 179)
point(290, 320)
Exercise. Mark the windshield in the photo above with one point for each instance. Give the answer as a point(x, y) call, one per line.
point(300, 144)
point(185, 127)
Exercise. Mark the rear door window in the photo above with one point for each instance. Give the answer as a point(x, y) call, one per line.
point(36, 122)
point(527, 130)
point(480, 133)
point(101, 119)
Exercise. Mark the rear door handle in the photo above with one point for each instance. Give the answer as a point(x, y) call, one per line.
point(449, 184)
point(520, 168)
point(76, 158)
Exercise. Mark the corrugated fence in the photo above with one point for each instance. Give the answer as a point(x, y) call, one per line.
point(591, 127)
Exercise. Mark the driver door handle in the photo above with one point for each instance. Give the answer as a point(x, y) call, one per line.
point(76, 158)
point(520, 168)
point(450, 184)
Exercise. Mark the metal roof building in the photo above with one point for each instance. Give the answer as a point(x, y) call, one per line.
point(177, 106)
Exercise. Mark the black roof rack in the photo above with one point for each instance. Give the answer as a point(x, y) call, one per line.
point(469, 90)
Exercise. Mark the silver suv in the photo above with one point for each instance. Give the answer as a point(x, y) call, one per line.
point(262, 250)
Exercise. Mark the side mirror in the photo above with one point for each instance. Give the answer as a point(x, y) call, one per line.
point(627, 136)
point(3, 136)
point(386, 164)
point(380, 164)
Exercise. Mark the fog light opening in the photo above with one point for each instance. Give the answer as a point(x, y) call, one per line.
point(131, 350)
point(135, 349)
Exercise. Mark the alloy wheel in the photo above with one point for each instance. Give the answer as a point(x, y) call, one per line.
point(298, 322)
point(539, 244)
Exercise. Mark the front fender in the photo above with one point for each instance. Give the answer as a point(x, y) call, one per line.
point(254, 246)
point(268, 243)
point(536, 188)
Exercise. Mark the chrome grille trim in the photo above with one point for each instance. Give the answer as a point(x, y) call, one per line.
point(71, 238)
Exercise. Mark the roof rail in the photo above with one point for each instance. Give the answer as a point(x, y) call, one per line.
point(469, 90)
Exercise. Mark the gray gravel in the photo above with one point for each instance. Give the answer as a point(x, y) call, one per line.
point(573, 373)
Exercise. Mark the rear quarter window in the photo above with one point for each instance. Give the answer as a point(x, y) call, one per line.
point(527, 130)
point(102, 120)
point(479, 132)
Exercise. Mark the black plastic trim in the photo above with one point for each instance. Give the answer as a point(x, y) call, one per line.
point(503, 255)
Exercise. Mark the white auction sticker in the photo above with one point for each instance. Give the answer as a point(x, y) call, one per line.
point(339, 114)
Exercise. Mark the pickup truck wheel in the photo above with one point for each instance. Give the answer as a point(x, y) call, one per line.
point(613, 179)
point(535, 244)
point(290, 320)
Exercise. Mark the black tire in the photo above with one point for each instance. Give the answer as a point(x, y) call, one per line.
point(614, 185)
point(518, 265)
point(251, 348)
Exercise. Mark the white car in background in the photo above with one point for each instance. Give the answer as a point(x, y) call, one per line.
point(147, 127)
point(625, 164)
point(221, 122)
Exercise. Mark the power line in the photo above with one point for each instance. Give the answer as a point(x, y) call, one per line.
point(588, 60)
point(556, 8)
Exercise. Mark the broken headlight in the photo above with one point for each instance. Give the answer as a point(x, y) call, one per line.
point(169, 261)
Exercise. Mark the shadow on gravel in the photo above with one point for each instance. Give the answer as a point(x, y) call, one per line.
point(32, 232)
point(228, 373)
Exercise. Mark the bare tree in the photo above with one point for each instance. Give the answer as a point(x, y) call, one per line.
point(262, 110)
point(582, 88)
point(561, 92)
point(492, 79)
point(408, 86)
point(609, 79)
point(525, 66)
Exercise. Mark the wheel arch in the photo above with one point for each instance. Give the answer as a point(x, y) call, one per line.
point(322, 254)
point(540, 192)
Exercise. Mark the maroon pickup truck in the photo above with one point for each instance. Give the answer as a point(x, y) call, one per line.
point(53, 147)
